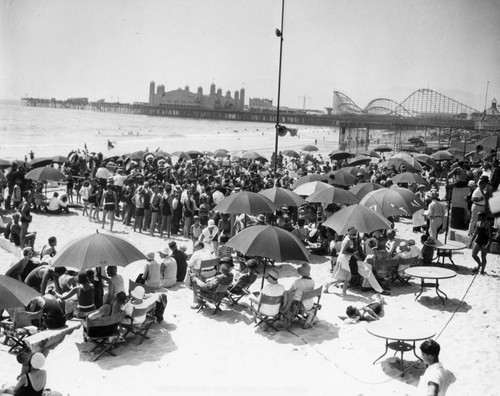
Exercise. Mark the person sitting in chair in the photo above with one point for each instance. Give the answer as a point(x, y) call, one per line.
point(136, 301)
point(210, 285)
point(272, 289)
point(56, 205)
point(248, 277)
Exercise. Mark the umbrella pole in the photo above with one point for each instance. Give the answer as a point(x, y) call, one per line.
point(450, 194)
point(100, 287)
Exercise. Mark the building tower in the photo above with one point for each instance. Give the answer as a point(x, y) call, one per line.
point(152, 93)
point(237, 100)
point(199, 95)
point(242, 98)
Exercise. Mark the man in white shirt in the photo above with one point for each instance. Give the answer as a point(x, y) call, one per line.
point(199, 254)
point(217, 195)
point(436, 378)
point(55, 205)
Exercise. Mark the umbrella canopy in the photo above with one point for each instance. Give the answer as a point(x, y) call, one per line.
point(339, 155)
point(98, 250)
point(392, 202)
point(425, 159)
point(409, 177)
point(45, 173)
point(39, 162)
point(333, 195)
point(407, 157)
point(383, 149)
point(220, 153)
point(442, 155)
point(181, 154)
point(361, 189)
point(254, 155)
point(291, 153)
point(136, 155)
point(492, 141)
point(341, 178)
point(283, 197)
point(309, 178)
point(270, 242)
point(310, 188)
point(412, 166)
point(103, 173)
point(355, 171)
point(359, 216)
point(372, 153)
point(5, 164)
point(360, 160)
point(59, 159)
point(310, 148)
point(15, 294)
point(195, 153)
point(246, 202)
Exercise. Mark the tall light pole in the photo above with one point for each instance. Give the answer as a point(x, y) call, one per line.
point(279, 33)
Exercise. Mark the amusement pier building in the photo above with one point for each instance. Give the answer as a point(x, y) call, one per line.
point(184, 98)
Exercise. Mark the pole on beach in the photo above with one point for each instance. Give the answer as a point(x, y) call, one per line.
point(279, 33)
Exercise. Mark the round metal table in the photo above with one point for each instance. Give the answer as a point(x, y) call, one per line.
point(400, 336)
point(445, 250)
point(432, 273)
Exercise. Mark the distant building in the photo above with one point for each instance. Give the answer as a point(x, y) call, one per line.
point(260, 104)
point(183, 97)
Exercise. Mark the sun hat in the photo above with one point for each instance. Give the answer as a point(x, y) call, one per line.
point(211, 223)
point(172, 245)
point(352, 231)
point(304, 270)
point(273, 274)
point(37, 361)
point(402, 245)
point(138, 292)
point(150, 256)
point(471, 183)
point(165, 251)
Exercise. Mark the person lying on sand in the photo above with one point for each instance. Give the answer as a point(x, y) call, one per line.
point(368, 313)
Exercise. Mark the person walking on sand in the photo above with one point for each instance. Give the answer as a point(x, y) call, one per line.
point(342, 271)
point(481, 241)
point(109, 203)
point(436, 379)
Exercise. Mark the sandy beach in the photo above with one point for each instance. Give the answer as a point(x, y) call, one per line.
point(195, 353)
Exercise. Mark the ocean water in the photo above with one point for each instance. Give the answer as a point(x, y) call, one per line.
point(50, 132)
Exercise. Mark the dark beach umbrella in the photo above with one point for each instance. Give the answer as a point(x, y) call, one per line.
point(310, 148)
point(181, 154)
point(372, 154)
point(442, 155)
point(5, 164)
point(270, 242)
point(382, 149)
point(15, 294)
point(45, 174)
point(361, 189)
point(409, 177)
point(359, 160)
point(195, 154)
point(410, 167)
point(251, 155)
point(59, 159)
point(291, 153)
point(341, 178)
point(359, 216)
point(136, 155)
point(392, 202)
point(309, 178)
point(339, 155)
point(283, 197)
point(333, 195)
point(355, 171)
point(98, 250)
point(246, 202)
point(425, 159)
point(221, 153)
point(39, 162)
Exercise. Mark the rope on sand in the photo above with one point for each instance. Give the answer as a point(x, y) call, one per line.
point(404, 371)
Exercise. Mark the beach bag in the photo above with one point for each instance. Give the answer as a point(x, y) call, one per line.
point(160, 306)
point(140, 279)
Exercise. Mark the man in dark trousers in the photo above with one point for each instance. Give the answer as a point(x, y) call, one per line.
point(181, 259)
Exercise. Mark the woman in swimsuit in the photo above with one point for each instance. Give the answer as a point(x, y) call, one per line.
point(85, 296)
point(368, 313)
point(481, 241)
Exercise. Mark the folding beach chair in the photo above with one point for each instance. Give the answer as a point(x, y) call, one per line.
point(213, 297)
point(208, 266)
point(234, 298)
point(403, 263)
point(22, 325)
point(103, 332)
point(309, 316)
point(147, 289)
point(272, 302)
point(140, 329)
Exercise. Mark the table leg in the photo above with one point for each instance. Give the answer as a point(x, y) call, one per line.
point(440, 291)
point(422, 285)
point(385, 353)
point(415, 353)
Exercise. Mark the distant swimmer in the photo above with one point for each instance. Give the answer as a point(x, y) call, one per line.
point(110, 145)
point(32, 155)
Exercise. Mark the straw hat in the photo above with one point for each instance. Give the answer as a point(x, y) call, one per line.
point(304, 270)
point(272, 275)
point(165, 251)
point(150, 256)
point(138, 292)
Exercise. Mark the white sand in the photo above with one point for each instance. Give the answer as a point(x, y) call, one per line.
point(195, 353)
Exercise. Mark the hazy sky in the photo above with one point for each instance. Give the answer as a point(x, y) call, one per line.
point(112, 49)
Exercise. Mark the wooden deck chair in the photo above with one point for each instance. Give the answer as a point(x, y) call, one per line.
point(405, 263)
point(309, 316)
point(213, 297)
point(103, 332)
point(261, 317)
point(234, 298)
point(20, 327)
point(140, 329)
point(147, 289)
point(206, 266)
point(385, 269)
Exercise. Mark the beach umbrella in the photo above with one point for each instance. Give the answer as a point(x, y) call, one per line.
point(409, 177)
point(161, 153)
point(97, 250)
point(39, 162)
point(181, 154)
point(364, 219)
point(291, 153)
point(307, 189)
point(59, 159)
point(355, 171)
point(425, 159)
point(333, 195)
point(45, 174)
point(136, 155)
point(341, 178)
point(359, 160)
point(407, 157)
point(3, 179)
point(103, 173)
point(442, 155)
point(270, 242)
point(414, 166)
point(251, 155)
point(372, 154)
point(339, 155)
point(309, 178)
point(195, 153)
point(361, 189)
point(220, 153)
point(392, 202)
point(15, 294)
point(246, 202)
point(283, 197)
point(383, 149)
point(309, 158)
point(310, 148)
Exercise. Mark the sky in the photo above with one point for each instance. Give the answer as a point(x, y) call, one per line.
point(112, 49)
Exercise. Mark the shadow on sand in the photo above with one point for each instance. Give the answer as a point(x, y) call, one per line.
point(450, 305)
